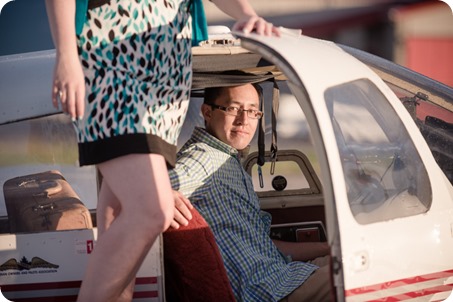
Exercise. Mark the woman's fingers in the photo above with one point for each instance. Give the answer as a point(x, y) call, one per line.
point(68, 89)
point(80, 102)
point(70, 99)
point(55, 96)
point(70, 103)
point(258, 25)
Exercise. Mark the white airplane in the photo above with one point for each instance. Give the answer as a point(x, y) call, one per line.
point(364, 162)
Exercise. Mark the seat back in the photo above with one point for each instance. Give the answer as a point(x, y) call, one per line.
point(194, 269)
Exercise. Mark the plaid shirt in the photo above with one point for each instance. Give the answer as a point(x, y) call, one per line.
point(210, 174)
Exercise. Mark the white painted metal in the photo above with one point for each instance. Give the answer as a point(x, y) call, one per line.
point(26, 85)
point(67, 252)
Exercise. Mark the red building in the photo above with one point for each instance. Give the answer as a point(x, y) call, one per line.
point(424, 39)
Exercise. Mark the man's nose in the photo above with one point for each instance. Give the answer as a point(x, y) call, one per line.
point(242, 118)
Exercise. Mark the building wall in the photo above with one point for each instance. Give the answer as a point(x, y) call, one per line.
point(424, 39)
point(431, 56)
point(270, 8)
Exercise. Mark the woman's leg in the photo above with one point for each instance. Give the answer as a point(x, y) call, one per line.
point(108, 209)
point(142, 188)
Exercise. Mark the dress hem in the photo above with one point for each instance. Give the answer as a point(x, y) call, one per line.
point(91, 153)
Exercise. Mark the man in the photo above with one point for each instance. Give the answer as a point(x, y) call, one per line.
point(209, 172)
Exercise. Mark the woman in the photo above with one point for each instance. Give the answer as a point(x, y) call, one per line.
point(125, 80)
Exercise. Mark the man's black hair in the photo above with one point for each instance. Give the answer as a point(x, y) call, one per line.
point(211, 94)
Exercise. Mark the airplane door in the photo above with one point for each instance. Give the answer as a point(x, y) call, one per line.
point(390, 222)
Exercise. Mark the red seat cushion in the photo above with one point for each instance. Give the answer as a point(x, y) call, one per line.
point(194, 268)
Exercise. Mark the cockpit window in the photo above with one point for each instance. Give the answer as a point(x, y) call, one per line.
point(384, 174)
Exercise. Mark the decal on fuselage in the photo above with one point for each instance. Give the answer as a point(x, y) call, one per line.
point(37, 265)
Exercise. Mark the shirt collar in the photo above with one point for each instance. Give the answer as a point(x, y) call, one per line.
point(203, 136)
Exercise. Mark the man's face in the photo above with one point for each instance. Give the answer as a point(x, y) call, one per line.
point(236, 131)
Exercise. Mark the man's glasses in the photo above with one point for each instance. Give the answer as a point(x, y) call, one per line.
point(236, 111)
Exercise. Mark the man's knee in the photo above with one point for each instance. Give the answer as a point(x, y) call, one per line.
point(320, 284)
point(316, 288)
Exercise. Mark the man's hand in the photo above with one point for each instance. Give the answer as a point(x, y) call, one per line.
point(182, 210)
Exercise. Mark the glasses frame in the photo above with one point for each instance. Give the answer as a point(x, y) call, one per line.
point(239, 111)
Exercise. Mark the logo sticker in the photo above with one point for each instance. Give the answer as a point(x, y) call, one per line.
point(24, 266)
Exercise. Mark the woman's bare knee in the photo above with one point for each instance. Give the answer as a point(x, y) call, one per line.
point(156, 219)
point(141, 184)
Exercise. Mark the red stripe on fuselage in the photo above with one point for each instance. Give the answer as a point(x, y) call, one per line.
point(403, 282)
point(29, 287)
point(416, 294)
point(60, 285)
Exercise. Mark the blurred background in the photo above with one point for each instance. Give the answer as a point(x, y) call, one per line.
point(417, 34)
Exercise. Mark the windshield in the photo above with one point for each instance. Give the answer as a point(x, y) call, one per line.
point(435, 123)
point(384, 174)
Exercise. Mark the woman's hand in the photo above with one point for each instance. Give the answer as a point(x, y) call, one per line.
point(182, 210)
point(247, 20)
point(256, 24)
point(69, 86)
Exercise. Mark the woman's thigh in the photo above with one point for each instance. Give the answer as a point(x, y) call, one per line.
point(140, 184)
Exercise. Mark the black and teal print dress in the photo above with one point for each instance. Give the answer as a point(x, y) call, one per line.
point(136, 56)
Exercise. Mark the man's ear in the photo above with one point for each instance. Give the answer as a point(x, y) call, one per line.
point(206, 111)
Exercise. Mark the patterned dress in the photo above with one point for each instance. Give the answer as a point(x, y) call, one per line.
point(136, 56)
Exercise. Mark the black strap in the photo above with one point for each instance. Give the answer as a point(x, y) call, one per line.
point(275, 106)
point(261, 131)
point(261, 144)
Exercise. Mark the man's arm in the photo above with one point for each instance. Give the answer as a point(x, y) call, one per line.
point(303, 251)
